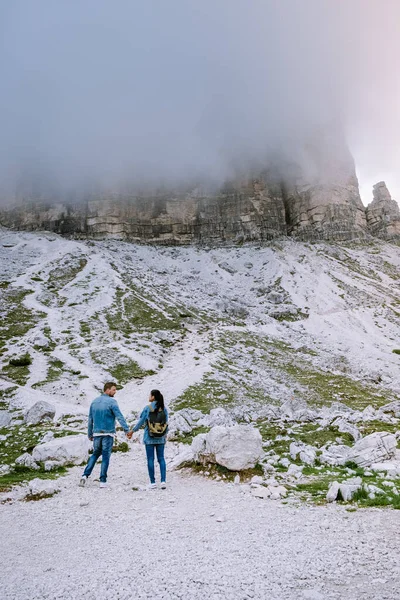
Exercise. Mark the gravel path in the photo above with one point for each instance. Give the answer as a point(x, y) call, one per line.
point(198, 539)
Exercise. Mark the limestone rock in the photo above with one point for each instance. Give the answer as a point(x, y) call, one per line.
point(39, 412)
point(184, 456)
point(345, 427)
point(260, 491)
point(43, 487)
point(335, 454)
point(383, 213)
point(26, 460)
point(5, 418)
point(236, 448)
point(217, 416)
point(64, 450)
point(347, 489)
point(373, 448)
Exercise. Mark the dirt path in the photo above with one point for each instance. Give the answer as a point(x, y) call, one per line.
point(199, 539)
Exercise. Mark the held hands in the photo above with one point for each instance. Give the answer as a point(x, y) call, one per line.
point(129, 435)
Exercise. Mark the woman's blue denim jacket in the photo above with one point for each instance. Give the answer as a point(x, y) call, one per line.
point(147, 439)
point(102, 414)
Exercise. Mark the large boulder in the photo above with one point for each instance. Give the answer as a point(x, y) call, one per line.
point(71, 449)
point(236, 448)
point(39, 412)
point(373, 448)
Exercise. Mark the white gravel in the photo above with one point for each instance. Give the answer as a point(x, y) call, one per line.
point(198, 539)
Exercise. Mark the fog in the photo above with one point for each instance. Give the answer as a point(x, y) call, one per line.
point(112, 95)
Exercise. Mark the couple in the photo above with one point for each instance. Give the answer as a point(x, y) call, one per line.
point(101, 430)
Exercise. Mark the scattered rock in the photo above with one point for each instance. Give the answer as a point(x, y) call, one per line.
point(43, 488)
point(345, 427)
point(39, 412)
point(344, 490)
point(373, 448)
point(335, 454)
point(260, 491)
point(47, 437)
point(26, 460)
point(63, 450)
point(5, 418)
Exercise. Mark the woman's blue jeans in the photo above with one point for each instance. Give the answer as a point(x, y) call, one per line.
point(159, 448)
point(102, 445)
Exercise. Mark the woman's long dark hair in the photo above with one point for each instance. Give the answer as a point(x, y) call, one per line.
point(158, 398)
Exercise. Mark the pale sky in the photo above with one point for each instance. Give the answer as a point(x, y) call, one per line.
point(95, 92)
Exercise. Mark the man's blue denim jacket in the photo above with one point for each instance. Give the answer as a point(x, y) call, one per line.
point(102, 414)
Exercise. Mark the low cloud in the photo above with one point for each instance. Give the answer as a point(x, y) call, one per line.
point(101, 95)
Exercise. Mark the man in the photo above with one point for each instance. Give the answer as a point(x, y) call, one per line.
point(101, 430)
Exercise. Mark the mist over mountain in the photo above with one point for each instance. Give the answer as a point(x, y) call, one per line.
point(137, 95)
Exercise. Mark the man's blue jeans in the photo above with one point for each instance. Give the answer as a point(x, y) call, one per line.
point(161, 460)
point(102, 445)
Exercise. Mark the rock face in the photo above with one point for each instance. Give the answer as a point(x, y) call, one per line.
point(383, 214)
point(373, 448)
point(316, 198)
point(40, 411)
point(322, 199)
point(64, 450)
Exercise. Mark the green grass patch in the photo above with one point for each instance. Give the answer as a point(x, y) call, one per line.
point(21, 361)
point(15, 318)
point(23, 475)
point(396, 351)
point(206, 395)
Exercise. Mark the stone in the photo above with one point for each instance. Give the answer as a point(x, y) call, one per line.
point(345, 490)
point(39, 412)
point(332, 492)
point(183, 457)
point(335, 454)
point(26, 460)
point(5, 469)
point(345, 427)
point(43, 487)
point(198, 446)
point(373, 448)
point(217, 416)
point(285, 462)
point(70, 449)
point(308, 455)
point(256, 480)
point(5, 418)
point(260, 491)
point(295, 470)
point(236, 448)
point(48, 436)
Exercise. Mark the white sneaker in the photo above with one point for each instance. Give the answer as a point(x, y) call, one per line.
point(152, 486)
point(83, 481)
point(163, 485)
point(103, 484)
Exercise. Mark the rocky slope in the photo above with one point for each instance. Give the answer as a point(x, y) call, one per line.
point(246, 329)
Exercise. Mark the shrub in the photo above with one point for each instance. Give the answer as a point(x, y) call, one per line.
point(21, 361)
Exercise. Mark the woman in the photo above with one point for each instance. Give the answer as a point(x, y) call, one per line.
point(154, 418)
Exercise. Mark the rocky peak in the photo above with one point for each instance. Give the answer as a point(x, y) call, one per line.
point(383, 213)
